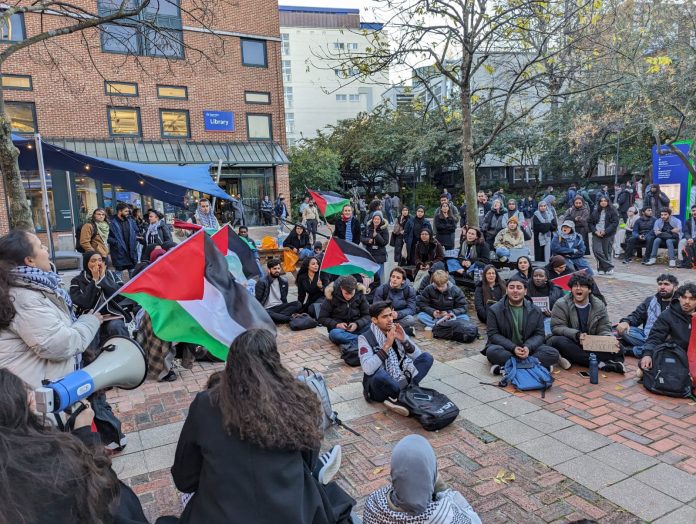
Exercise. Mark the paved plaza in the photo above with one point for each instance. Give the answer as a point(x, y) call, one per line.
point(612, 452)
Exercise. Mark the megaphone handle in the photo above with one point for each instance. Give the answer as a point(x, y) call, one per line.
point(70, 423)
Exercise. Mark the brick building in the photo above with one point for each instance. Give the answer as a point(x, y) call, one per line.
point(202, 94)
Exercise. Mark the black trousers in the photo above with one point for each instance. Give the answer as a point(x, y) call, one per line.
point(282, 313)
point(498, 355)
point(573, 351)
point(312, 224)
point(633, 245)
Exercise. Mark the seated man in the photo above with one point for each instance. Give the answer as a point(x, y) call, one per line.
point(515, 327)
point(345, 312)
point(402, 297)
point(674, 325)
point(440, 300)
point(666, 231)
point(570, 245)
point(579, 314)
point(386, 353)
point(642, 228)
point(689, 232)
point(272, 292)
point(631, 336)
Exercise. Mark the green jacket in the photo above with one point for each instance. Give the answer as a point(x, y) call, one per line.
point(565, 322)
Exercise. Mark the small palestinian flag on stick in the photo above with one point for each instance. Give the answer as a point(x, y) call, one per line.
point(191, 296)
point(328, 202)
point(562, 282)
point(239, 255)
point(346, 258)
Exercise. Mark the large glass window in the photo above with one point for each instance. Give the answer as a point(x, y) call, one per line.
point(86, 195)
point(259, 126)
point(124, 121)
point(254, 53)
point(285, 43)
point(22, 115)
point(121, 88)
point(32, 189)
point(287, 71)
point(174, 123)
point(289, 99)
point(290, 122)
point(163, 35)
point(17, 82)
point(174, 92)
point(12, 30)
point(257, 97)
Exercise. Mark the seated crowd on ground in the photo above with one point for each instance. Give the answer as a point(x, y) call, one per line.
point(255, 412)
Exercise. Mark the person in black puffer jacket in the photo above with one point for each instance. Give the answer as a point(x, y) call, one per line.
point(402, 297)
point(345, 312)
point(440, 299)
point(375, 239)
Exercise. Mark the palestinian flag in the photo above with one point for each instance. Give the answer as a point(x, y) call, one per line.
point(240, 258)
point(328, 202)
point(345, 258)
point(562, 282)
point(191, 296)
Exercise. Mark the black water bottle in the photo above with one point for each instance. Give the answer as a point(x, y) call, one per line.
point(594, 369)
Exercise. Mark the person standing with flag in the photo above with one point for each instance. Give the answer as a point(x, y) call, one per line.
point(347, 227)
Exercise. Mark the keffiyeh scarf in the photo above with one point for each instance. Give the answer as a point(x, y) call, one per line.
point(47, 280)
point(393, 358)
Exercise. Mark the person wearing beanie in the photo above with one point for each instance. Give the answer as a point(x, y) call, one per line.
point(571, 247)
point(509, 238)
point(515, 329)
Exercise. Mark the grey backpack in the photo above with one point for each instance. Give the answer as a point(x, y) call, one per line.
point(315, 381)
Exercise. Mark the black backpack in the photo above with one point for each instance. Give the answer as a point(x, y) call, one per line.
point(431, 408)
point(350, 355)
point(669, 374)
point(78, 230)
point(459, 330)
point(302, 322)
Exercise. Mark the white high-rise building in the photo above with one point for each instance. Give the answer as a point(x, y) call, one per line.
point(320, 88)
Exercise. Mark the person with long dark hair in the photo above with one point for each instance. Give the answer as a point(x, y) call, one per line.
point(155, 233)
point(603, 223)
point(375, 238)
point(40, 336)
point(311, 284)
point(473, 253)
point(488, 291)
point(419, 223)
point(444, 226)
point(524, 268)
point(402, 234)
point(253, 437)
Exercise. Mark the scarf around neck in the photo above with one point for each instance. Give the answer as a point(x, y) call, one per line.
point(45, 279)
point(544, 218)
point(103, 230)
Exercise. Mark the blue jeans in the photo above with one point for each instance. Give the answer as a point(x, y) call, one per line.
point(305, 252)
point(633, 340)
point(547, 326)
point(581, 263)
point(381, 385)
point(502, 252)
point(453, 264)
point(429, 321)
point(341, 336)
point(671, 247)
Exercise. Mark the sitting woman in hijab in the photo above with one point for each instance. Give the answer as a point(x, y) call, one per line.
point(488, 291)
point(428, 251)
point(417, 495)
point(546, 294)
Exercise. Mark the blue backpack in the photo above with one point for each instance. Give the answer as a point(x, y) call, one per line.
point(526, 375)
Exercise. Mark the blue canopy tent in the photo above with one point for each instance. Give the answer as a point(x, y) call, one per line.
point(165, 182)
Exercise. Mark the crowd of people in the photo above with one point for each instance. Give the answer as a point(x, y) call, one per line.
point(254, 433)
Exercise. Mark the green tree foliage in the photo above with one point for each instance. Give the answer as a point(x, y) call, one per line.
point(313, 166)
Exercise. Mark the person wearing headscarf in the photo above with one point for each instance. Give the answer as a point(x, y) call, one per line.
point(543, 225)
point(540, 287)
point(419, 223)
point(493, 222)
point(579, 214)
point(416, 494)
point(626, 231)
point(428, 250)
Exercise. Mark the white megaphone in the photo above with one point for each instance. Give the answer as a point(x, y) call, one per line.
point(122, 363)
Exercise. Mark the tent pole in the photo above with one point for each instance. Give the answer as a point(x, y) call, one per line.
point(217, 183)
point(44, 195)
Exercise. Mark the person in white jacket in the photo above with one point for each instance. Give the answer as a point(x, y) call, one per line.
point(40, 338)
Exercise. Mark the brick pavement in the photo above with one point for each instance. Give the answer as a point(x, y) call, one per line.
point(614, 437)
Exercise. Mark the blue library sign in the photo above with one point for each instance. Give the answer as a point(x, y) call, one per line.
point(218, 121)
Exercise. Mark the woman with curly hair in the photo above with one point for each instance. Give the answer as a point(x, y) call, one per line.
point(249, 444)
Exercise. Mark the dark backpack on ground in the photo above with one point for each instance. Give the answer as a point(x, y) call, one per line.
point(350, 355)
point(459, 330)
point(78, 231)
point(669, 374)
point(526, 375)
point(689, 256)
point(432, 409)
point(302, 322)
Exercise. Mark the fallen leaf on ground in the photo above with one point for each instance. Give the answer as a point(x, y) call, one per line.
point(376, 471)
point(503, 477)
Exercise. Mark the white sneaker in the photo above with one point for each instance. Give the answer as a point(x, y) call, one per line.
point(651, 262)
point(393, 404)
point(496, 369)
point(672, 263)
point(330, 462)
point(564, 362)
point(639, 373)
point(609, 273)
point(599, 272)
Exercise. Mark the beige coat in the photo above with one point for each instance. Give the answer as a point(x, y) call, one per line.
point(42, 340)
point(89, 241)
point(505, 238)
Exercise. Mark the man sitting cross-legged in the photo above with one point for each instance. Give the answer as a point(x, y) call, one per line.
point(272, 292)
point(441, 300)
point(402, 297)
point(674, 325)
point(579, 314)
point(515, 327)
point(386, 356)
point(345, 312)
point(631, 335)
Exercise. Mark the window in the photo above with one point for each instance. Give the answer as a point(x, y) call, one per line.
point(354, 98)
point(259, 126)
point(22, 115)
point(174, 123)
point(348, 72)
point(288, 98)
point(285, 43)
point(124, 121)
point(254, 97)
point(290, 122)
point(254, 53)
point(161, 37)
point(12, 30)
point(175, 92)
point(287, 71)
point(121, 88)
point(339, 46)
point(352, 46)
point(341, 98)
point(17, 82)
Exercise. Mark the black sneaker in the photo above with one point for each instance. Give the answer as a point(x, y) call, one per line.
point(614, 367)
point(496, 370)
point(626, 260)
point(410, 331)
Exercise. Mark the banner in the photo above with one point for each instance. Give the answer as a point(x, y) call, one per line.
point(674, 178)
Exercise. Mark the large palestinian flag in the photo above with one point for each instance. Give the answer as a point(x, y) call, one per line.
point(345, 258)
point(240, 258)
point(191, 296)
point(328, 202)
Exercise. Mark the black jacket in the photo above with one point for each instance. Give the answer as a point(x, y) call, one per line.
point(297, 242)
point(336, 309)
point(403, 299)
point(235, 481)
point(433, 252)
point(611, 220)
point(624, 199)
point(672, 325)
point(452, 300)
point(639, 316)
point(480, 305)
point(378, 247)
point(163, 235)
point(340, 229)
point(688, 231)
point(444, 228)
point(499, 326)
point(552, 291)
point(263, 289)
point(643, 226)
point(86, 294)
point(308, 288)
point(656, 201)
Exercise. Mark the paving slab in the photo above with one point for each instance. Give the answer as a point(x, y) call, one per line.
point(161, 457)
point(349, 391)
point(127, 466)
point(438, 385)
point(134, 443)
point(440, 370)
point(476, 368)
point(462, 382)
point(640, 499)
point(514, 406)
point(544, 421)
point(483, 415)
point(684, 515)
point(352, 409)
point(513, 431)
point(590, 472)
point(581, 439)
point(623, 458)
point(160, 435)
point(548, 450)
point(486, 393)
point(671, 481)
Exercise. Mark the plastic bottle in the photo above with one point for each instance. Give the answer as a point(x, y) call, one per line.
point(594, 369)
